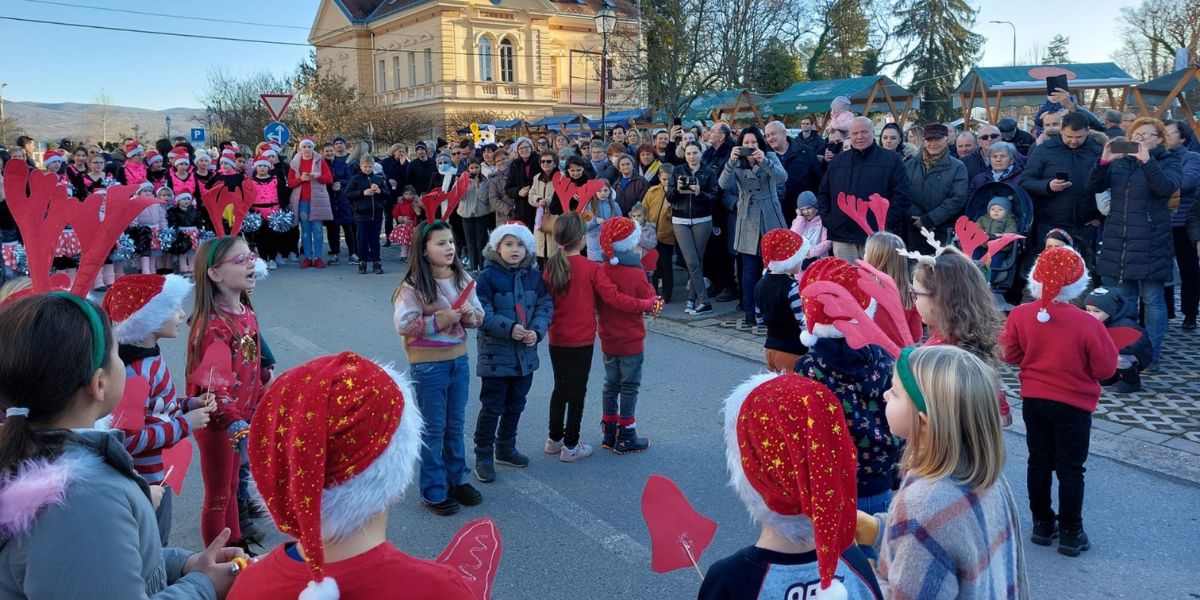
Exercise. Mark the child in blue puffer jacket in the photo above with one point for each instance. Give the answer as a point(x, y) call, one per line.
point(517, 311)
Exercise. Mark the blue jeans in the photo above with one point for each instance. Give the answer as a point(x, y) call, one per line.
point(622, 377)
point(312, 233)
point(879, 503)
point(442, 388)
point(503, 401)
point(1151, 295)
point(752, 268)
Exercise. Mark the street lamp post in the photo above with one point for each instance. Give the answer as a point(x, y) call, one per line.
point(207, 132)
point(168, 127)
point(606, 23)
point(1014, 28)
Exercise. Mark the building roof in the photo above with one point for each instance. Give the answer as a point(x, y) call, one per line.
point(809, 97)
point(363, 11)
point(1033, 77)
point(1156, 90)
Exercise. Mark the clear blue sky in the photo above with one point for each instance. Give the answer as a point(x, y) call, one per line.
point(157, 72)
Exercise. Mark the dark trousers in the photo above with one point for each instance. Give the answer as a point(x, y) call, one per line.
point(333, 232)
point(752, 268)
point(475, 230)
point(572, 366)
point(1189, 276)
point(389, 222)
point(664, 269)
point(367, 233)
point(502, 401)
point(718, 262)
point(1057, 435)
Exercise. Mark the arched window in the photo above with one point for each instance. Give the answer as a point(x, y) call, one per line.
point(507, 63)
point(485, 59)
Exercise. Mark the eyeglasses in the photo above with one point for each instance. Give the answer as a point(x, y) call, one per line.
point(914, 294)
point(241, 259)
point(990, 136)
point(1144, 136)
point(547, 161)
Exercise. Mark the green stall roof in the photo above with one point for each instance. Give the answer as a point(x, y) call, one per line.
point(1026, 85)
point(808, 97)
point(1156, 90)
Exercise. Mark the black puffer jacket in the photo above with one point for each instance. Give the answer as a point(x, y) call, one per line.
point(367, 207)
point(419, 173)
point(693, 206)
point(1074, 206)
point(804, 175)
point(1137, 237)
point(875, 170)
point(939, 193)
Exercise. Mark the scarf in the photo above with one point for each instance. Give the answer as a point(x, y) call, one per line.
point(932, 160)
point(1000, 176)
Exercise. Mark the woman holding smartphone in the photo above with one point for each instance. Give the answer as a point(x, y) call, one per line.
point(691, 190)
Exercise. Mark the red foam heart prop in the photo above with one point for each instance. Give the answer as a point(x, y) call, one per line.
point(566, 189)
point(176, 461)
point(1124, 336)
point(215, 371)
point(650, 261)
point(474, 553)
point(675, 527)
point(130, 413)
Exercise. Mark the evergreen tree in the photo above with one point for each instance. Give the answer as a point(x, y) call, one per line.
point(775, 69)
point(842, 47)
point(1056, 52)
point(943, 47)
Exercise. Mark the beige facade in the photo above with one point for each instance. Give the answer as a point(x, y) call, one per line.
point(517, 58)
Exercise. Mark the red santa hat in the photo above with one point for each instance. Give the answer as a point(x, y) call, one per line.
point(817, 323)
point(793, 464)
point(261, 160)
point(306, 141)
point(139, 304)
point(516, 229)
point(784, 250)
point(133, 147)
point(179, 155)
point(230, 157)
point(335, 441)
point(52, 156)
point(1059, 275)
point(618, 234)
point(153, 157)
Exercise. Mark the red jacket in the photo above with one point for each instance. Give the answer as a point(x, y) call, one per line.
point(623, 333)
point(574, 323)
point(1061, 359)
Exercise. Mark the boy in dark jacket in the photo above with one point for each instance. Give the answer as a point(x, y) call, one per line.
point(368, 193)
point(777, 298)
point(516, 315)
point(1111, 310)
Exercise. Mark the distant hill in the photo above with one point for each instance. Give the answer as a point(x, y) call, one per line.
point(53, 121)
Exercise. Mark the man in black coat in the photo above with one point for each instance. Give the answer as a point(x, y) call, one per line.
point(804, 172)
point(1020, 138)
point(421, 169)
point(867, 168)
point(809, 136)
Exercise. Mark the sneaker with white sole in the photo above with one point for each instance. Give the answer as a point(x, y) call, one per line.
point(272, 265)
point(703, 309)
point(553, 447)
point(572, 454)
point(690, 309)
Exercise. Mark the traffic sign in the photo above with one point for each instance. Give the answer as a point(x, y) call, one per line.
point(197, 134)
point(277, 132)
point(276, 104)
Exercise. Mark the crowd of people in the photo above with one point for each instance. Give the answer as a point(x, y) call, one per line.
point(849, 441)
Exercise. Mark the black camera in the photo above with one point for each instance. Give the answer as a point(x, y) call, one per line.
point(687, 181)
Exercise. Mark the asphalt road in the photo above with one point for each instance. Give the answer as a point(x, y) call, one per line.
point(575, 529)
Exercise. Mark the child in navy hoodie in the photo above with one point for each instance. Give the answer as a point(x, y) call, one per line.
point(1110, 309)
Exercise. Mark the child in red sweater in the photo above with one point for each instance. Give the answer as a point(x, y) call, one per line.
point(622, 335)
point(1062, 352)
point(405, 213)
point(575, 283)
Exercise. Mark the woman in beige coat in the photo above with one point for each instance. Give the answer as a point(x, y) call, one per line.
point(541, 194)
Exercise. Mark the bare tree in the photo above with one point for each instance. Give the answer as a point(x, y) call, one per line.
point(1151, 33)
point(10, 129)
point(102, 115)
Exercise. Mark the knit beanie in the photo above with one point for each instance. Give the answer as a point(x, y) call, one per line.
point(806, 199)
point(1105, 300)
point(1002, 202)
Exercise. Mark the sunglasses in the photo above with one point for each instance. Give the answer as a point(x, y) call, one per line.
point(990, 136)
point(241, 259)
point(547, 162)
point(542, 143)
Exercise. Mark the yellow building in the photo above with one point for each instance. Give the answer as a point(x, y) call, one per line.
point(516, 58)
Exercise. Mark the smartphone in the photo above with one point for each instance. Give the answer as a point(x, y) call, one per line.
point(1124, 147)
point(1063, 176)
point(1056, 81)
point(678, 122)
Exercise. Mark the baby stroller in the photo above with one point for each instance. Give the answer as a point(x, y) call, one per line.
point(1004, 272)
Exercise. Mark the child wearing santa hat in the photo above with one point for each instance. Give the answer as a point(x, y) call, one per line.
point(792, 462)
point(133, 171)
point(622, 335)
point(777, 298)
point(1062, 351)
point(156, 171)
point(334, 445)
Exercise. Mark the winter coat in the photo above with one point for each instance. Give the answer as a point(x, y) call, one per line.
point(975, 163)
point(342, 211)
point(367, 208)
point(814, 141)
point(694, 206)
point(804, 175)
point(1074, 206)
point(178, 217)
point(939, 193)
point(419, 172)
point(602, 210)
point(604, 170)
point(84, 526)
point(396, 171)
point(474, 202)
point(1189, 163)
point(758, 207)
point(814, 233)
point(1126, 316)
point(320, 208)
point(541, 188)
point(154, 215)
point(1013, 177)
point(520, 175)
point(716, 156)
point(500, 289)
point(498, 200)
point(658, 213)
point(631, 193)
point(860, 173)
point(1137, 236)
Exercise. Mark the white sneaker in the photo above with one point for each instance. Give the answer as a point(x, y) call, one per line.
point(690, 309)
point(581, 450)
point(282, 260)
point(272, 265)
point(553, 447)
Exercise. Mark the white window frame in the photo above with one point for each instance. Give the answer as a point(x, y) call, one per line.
point(508, 61)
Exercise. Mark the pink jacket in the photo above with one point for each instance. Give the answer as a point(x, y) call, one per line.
point(840, 121)
point(815, 234)
point(154, 215)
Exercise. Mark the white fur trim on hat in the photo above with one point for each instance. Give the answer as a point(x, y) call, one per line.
point(147, 319)
point(796, 528)
point(154, 158)
point(628, 243)
point(518, 231)
point(261, 271)
point(830, 330)
point(307, 142)
point(203, 154)
point(229, 159)
point(347, 507)
point(783, 266)
point(326, 589)
point(263, 163)
point(1066, 294)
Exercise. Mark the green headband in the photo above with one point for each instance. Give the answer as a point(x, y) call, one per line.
point(212, 252)
point(910, 384)
point(94, 320)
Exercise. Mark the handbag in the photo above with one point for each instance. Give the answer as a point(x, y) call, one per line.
point(548, 221)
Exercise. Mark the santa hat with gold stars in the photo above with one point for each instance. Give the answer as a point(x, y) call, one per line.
point(139, 304)
point(335, 441)
point(1059, 275)
point(793, 464)
point(817, 323)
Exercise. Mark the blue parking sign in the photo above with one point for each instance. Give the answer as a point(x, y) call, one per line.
point(197, 134)
point(277, 132)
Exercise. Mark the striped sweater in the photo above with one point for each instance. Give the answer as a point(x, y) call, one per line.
point(415, 321)
point(165, 424)
point(940, 540)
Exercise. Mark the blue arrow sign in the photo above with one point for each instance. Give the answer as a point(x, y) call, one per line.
point(277, 132)
point(197, 134)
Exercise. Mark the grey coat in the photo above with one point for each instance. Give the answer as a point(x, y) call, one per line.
point(939, 194)
point(474, 203)
point(758, 205)
point(92, 535)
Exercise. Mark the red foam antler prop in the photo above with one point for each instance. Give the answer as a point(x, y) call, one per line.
point(220, 198)
point(40, 214)
point(998, 244)
point(879, 207)
point(889, 328)
point(970, 235)
point(566, 189)
point(98, 222)
point(857, 209)
point(456, 194)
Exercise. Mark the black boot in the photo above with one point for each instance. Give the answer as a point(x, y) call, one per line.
point(362, 268)
point(628, 442)
point(1130, 381)
point(378, 269)
point(1073, 541)
point(1044, 532)
point(610, 434)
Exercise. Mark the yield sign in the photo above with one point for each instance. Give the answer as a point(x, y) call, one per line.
point(276, 104)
